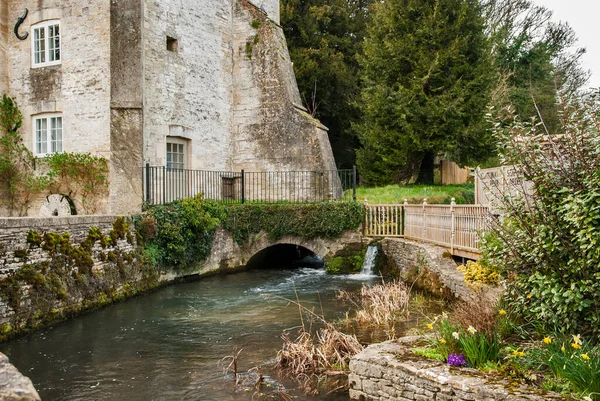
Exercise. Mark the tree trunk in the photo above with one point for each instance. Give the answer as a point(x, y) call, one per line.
point(426, 170)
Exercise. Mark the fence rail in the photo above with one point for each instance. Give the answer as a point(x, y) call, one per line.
point(456, 227)
point(163, 185)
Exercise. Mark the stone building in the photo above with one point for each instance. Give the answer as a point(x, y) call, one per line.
point(179, 83)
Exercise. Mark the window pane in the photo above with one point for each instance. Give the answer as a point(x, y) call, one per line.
point(41, 135)
point(39, 44)
point(53, 43)
point(56, 134)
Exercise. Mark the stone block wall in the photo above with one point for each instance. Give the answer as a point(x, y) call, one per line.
point(51, 268)
point(13, 385)
point(389, 371)
point(431, 268)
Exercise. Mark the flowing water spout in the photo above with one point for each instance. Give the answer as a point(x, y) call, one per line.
point(369, 263)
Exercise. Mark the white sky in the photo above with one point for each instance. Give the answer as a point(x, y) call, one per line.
point(583, 16)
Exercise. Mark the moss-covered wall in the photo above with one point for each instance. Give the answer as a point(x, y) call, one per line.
point(53, 268)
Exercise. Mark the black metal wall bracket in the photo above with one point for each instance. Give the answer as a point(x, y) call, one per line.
point(18, 24)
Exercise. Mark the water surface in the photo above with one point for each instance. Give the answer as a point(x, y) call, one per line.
point(167, 345)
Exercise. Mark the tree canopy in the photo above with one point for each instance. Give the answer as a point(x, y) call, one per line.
point(427, 80)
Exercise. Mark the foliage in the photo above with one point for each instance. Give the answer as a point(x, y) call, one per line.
point(478, 273)
point(427, 79)
point(79, 175)
point(548, 240)
point(309, 221)
point(575, 360)
point(345, 264)
point(430, 354)
point(183, 232)
point(17, 163)
point(324, 37)
point(532, 57)
point(435, 194)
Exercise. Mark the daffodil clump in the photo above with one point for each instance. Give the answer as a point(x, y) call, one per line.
point(576, 360)
point(478, 347)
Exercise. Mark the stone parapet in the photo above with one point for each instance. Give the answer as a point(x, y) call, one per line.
point(13, 385)
point(390, 371)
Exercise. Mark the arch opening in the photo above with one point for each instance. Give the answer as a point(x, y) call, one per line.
point(285, 256)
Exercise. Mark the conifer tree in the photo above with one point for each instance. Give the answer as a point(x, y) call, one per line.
point(427, 78)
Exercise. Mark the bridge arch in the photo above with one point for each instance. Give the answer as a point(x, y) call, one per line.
point(284, 255)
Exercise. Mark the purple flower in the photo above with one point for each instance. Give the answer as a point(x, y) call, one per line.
point(456, 360)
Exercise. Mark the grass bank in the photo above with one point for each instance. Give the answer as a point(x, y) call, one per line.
point(435, 194)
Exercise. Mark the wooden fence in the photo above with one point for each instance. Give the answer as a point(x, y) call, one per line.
point(456, 227)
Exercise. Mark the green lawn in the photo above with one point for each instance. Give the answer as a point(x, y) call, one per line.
point(435, 194)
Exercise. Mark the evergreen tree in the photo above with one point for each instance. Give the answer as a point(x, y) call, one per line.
point(427, 78)
point(324, 37)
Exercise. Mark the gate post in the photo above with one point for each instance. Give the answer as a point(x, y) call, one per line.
point(452, 225)
point(243, 188)
point(354, 183)
point(424, 218)
point(147, 182)
point(404, 217)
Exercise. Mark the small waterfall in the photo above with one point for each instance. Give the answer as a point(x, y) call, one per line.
point(369, 263)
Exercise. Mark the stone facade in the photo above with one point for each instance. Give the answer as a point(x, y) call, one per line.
point(390, 371)
point(13, 385)
point(135, 74)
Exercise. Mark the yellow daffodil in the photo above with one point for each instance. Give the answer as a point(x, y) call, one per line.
point(547, 340)
point(502, 312)
point(442, 341)
point(529, 296)
point(563, 348)
point(585, 356)
point(430, 326)
point(456, 335)
point(472, 330)
point(575, 345)
point(518, 353)
point(577, 339)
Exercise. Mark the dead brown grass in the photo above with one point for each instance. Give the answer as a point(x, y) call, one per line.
point(480, 313)
point(381, 305)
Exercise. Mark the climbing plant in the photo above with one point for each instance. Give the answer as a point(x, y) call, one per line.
point(17, 164)
point(81, 176)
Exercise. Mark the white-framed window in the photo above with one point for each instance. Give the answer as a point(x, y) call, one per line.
point(45, 44)
point(176, 154)
point(47, 134)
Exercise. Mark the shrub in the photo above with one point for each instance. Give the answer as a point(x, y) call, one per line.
point(548, 239)
point(478, 273)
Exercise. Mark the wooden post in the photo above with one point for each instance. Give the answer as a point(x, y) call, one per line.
point(425, 218)
point(367, 228)
point(452, 225)
point(404, 217)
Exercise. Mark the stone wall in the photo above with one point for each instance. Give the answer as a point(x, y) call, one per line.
point(13, 385)
point(390, 371)
point(431, 267)
point(56, 267)
point(271, 131)
point(4, 32)
point(188, 88)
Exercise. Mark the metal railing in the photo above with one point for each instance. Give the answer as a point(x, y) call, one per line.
point(456, 227)
point(163, 185)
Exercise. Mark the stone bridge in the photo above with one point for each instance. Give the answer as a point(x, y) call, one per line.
point(228, 255)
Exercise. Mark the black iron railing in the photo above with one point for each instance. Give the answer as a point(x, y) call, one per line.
point(163, 185)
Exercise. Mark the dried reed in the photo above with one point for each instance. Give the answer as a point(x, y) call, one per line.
point(381, 305)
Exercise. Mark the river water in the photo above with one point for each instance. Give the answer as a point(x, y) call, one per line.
point(167, 345)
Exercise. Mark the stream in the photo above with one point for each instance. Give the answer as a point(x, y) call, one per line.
point(168, 344)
